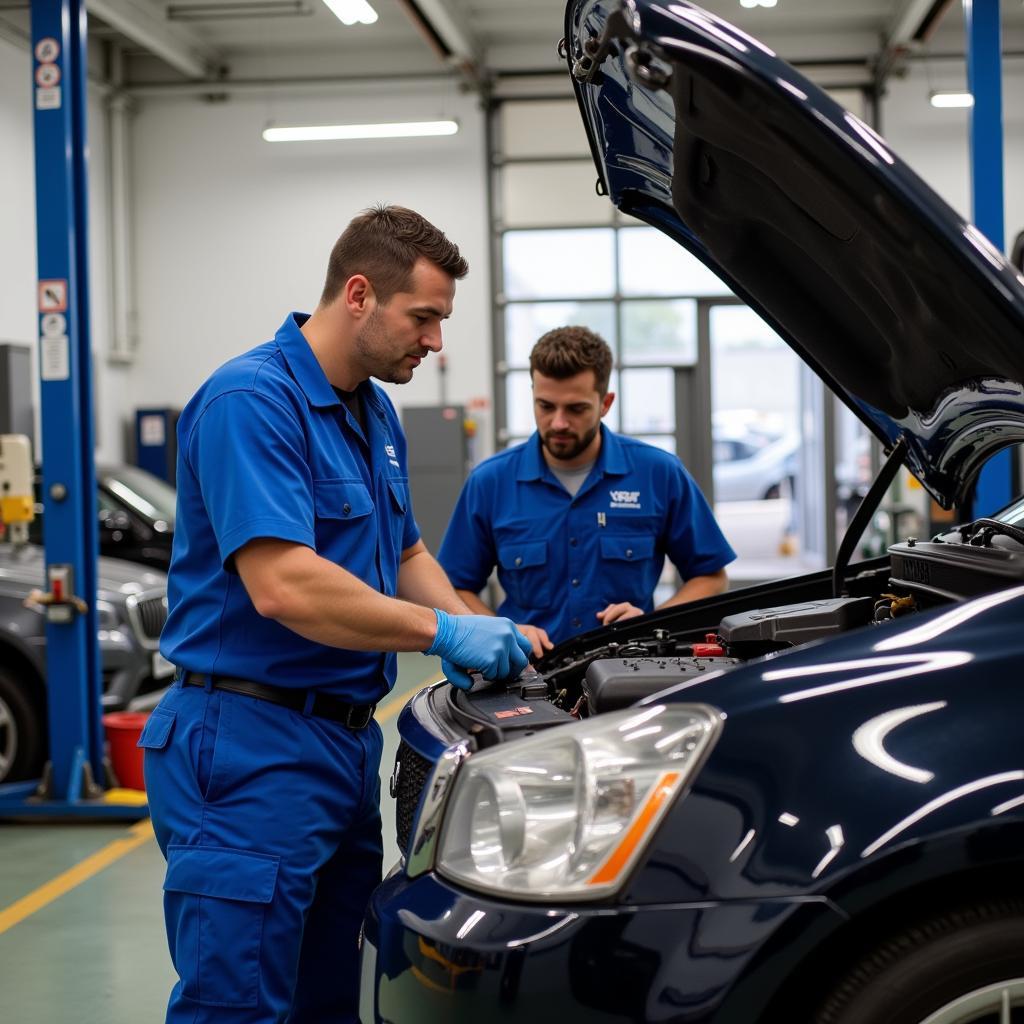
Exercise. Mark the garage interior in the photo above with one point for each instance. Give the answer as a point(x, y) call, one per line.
point(203, 229)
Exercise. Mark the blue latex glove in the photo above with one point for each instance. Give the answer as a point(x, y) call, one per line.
point(491, 646)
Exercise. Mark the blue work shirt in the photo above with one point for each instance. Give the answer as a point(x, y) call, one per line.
point(267, 449)
point(562, 559)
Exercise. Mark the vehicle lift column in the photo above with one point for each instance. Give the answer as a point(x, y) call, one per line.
point(997, 483)
point(75, 776)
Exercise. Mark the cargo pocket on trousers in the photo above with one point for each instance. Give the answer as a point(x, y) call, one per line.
point(215, 900)
point(157, 730)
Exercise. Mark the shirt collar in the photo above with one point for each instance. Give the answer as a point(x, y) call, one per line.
point(305, 368)
point(612, 460)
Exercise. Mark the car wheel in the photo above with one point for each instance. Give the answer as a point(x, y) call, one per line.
point(962, 967)
point(21, 730)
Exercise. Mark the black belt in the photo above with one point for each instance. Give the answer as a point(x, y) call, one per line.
point(354, 716)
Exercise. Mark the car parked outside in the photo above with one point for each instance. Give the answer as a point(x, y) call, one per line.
point(131, 603)
point(753, 466)
point(802, 801)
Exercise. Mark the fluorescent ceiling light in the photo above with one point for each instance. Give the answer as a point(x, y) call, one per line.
point(392, 130)
point(952, 99)
point(352, 12)
point(758, 3)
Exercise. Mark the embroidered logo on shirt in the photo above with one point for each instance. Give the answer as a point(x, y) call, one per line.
point(390, 451)
point(625, 499)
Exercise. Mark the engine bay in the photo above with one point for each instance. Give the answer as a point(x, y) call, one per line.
point(614, 667)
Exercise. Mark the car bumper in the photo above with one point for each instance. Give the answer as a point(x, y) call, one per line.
point(434, 953)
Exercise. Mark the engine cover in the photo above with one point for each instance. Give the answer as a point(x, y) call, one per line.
point(613, 683)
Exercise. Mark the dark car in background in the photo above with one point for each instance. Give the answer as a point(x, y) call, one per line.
point(136, 515)
point(801, 801)
point(131, 604)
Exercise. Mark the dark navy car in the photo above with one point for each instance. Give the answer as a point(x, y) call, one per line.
point(802, 801)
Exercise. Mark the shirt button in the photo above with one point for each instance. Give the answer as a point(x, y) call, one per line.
point(572, 542)
point(576, 622)
point(519, 561)
point(575, 583)
point(346, 508)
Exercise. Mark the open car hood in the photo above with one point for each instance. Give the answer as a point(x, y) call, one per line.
point(904, 309)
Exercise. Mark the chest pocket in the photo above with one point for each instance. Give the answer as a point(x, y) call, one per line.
point(344, 523)
point(524, 572)
point(625, 563)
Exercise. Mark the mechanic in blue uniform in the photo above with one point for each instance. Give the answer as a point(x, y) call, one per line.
point(578, 520)
point(297, 572)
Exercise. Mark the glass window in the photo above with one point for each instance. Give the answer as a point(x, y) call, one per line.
point(662, 332)
point(651, 263)
point(519, 404)
point(555, 193)
point(577, 263)
point(648, 401)
point(526, 322)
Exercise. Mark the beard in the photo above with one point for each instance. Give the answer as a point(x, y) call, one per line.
point(377, 350)
point(565, 447)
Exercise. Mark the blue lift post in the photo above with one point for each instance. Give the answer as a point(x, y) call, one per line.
point(73, 786)
point(996, 484)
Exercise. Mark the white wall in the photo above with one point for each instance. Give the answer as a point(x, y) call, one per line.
point(233, 232)
point(18, 236)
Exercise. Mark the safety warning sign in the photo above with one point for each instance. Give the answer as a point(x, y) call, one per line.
point(47, 75)
point(53, 296)
point(47, 50)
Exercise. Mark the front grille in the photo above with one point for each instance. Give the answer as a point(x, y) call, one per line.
point(413, 772)
point(147, 614)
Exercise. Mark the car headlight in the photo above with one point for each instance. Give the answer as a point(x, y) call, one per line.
point(567, 812)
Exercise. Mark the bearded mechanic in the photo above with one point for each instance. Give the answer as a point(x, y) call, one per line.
point(578, 519)
point(297, 572)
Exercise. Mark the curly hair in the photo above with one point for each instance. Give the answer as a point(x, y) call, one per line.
point(566, 351)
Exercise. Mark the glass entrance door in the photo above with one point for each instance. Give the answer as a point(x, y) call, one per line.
point(758, 431)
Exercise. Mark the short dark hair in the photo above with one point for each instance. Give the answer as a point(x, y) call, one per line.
point(383, 243)
point(566, 351)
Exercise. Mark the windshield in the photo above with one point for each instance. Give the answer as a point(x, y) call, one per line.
point(146, 494)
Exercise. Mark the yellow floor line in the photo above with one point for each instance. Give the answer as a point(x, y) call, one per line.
point(137, 835)
point(391, 707)
point(81, 872)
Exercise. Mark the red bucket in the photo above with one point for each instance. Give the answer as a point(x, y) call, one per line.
point(123, 729)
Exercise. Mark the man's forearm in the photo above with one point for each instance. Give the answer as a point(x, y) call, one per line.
point(422, 581)
point(473, 602)
point(697, 587)
point(319, 600)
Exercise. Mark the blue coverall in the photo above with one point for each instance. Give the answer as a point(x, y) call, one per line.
point(269, 817)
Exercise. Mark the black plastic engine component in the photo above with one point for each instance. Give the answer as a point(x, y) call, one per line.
point(499, 712)
point(955, 570)
point(749, 634)
point(613, 683)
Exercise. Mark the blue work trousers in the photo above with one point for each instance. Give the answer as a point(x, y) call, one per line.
point(270, 823)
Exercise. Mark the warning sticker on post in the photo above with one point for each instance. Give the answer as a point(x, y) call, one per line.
point(53, 296)
point(48, 99)
point(54, 358)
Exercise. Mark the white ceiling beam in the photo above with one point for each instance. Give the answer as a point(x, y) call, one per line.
point(145, 26)
point(904, 32)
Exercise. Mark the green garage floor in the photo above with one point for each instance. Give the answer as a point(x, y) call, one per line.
point(81, 927)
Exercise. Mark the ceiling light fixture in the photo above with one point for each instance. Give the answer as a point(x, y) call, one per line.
point(391, 130)
point(750, 4)
point(352, 12)
point(951, 99)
